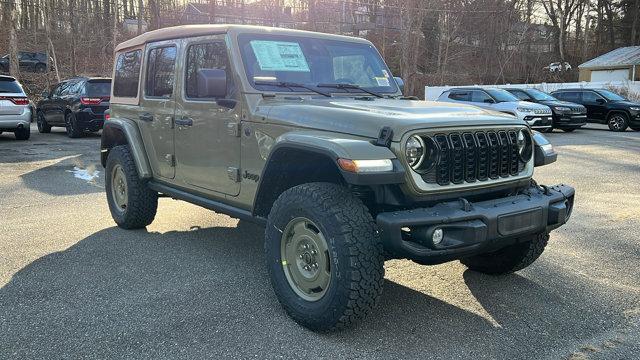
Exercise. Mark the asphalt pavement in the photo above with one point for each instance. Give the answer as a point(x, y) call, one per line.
point(194, 284)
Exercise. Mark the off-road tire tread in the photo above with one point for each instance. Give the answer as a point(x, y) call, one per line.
point(357, 228)
point(143, 202)
point(510, 259)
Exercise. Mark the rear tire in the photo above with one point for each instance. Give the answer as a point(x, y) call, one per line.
point(40, 68)
point(132, 204)
point(350, 253)
point(72, 126)
point(509, 259)
point(43, 126)
point(548, 130)
point(569, 130)
point(22, 134)
point(618, 122)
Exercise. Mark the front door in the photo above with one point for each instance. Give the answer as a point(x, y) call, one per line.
point(157, 106)
point(207, 129)
point(596, 105)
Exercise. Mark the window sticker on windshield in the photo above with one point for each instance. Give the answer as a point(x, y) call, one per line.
point(382, 81)
point(279, 56)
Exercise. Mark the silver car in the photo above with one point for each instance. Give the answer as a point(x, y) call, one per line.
point(15, 110)
point(538, 116)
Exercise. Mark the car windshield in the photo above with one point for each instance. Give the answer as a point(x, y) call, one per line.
point(610, 95)
point(9, 86)
point(98, 88)
point(502, 95)
point(270, 59)
point(539, 95)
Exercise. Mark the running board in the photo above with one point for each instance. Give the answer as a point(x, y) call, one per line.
point(206, 203)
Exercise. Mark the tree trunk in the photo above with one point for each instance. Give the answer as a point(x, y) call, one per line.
point(14, 64)
point(140, 11)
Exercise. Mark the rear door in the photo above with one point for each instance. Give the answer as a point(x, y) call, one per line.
point(157, 105)
point(208, 132)
point(54, 110)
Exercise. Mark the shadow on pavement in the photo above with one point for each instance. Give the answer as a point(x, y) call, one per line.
point(205, 293)
point(73, 176)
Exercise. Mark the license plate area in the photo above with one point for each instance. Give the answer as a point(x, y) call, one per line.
point(520, 222)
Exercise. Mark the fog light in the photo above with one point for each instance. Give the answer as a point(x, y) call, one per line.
point(437, 236)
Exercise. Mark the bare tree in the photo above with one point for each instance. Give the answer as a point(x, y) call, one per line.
point(561, 14)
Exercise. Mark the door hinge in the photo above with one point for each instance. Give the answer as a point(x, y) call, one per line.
point(233, 129)
point(234, 174)
point(171, 159)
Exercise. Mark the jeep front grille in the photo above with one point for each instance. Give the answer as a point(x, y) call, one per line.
point(468, 157)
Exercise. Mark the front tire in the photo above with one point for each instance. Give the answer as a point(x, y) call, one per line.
point(509, 259)
point(324, 256)
point(132, 204)
point(618, 122)
point(43, 126)
point(71, 123)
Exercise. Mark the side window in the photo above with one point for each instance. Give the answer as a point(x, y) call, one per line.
point(590, 96)
point(572, 96)
point(160, 72)
point(58, 91)
point(480, 96)
point(127, 74)
point(211, 55)
point(460, 95)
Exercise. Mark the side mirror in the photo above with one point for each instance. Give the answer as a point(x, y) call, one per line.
point(212, 83)
point(45, 94)
point(489, 101)
point(600, 101)
point(543, 153)
point(400, 83)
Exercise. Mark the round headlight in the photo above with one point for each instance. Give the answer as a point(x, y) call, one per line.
point(414, 151)
point(525, 145)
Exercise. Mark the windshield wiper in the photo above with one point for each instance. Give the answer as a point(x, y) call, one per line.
point(351, 86)
point(290, 85)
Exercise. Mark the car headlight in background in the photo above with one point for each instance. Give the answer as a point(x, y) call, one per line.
point(525, 145)
point(414, 151)
point(562, 108)
point(634, 108)
point(524, 110)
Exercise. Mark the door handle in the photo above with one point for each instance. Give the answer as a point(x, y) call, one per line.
point(146, 117)
point(184, 121)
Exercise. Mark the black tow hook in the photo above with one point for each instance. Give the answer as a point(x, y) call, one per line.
point(465, 204)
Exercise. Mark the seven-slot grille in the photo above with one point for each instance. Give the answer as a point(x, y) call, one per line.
point(475, 156)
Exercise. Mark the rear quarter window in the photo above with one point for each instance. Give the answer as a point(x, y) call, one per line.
point(127, 74)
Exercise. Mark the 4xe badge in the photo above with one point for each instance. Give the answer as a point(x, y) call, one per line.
point(250, 176)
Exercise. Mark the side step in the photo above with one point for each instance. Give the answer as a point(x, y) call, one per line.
point(206, 203)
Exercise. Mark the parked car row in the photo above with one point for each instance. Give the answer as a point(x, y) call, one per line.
point(566, 109)
point(77, 104)
point(27, 61)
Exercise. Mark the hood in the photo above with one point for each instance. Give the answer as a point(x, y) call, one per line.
point(367, 117)
point(626, 103)
point(512, 105)
point(559, 103)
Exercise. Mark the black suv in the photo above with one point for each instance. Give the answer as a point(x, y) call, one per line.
point(605, 107)
point(29, 61)
point(78, 104)
point(567, 116)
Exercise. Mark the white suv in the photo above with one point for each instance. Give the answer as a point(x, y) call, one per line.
point(538, 116)
point(15, 110)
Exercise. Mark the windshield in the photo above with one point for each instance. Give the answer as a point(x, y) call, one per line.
point(610, 95)
point(539, 95)
point(502, 95)
point(9, 86)
point(98, 88)
point(313, 61)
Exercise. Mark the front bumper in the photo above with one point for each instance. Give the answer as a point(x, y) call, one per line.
point(474, 228)
point(538, 121)
point(569, 121)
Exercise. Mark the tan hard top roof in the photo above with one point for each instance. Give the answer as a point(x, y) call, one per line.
point(177, 32)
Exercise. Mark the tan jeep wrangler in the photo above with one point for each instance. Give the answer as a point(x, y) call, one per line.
point(309, 135)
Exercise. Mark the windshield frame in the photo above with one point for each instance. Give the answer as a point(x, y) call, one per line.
point(243, 38)
point(493, 92)
point(606, 93)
